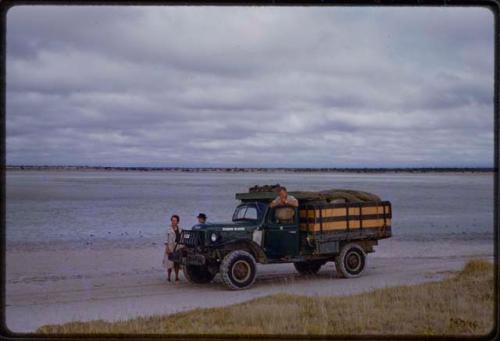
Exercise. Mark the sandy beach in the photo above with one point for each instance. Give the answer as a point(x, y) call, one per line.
point(85, 246)
point(118, 281)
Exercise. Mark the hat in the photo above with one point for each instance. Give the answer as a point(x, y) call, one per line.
point(202, 215)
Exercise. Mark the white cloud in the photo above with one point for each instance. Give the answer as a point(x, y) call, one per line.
point(243, 86)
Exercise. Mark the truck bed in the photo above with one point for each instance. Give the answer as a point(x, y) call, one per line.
point(354, 218)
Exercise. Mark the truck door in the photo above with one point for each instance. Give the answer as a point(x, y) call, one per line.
point(281, 239)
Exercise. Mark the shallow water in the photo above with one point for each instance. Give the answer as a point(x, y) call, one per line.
point(83, 206)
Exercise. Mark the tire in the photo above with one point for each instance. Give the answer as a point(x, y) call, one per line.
point(197, 274)
point(238, 270)
point(308, 267)
point(351, 261)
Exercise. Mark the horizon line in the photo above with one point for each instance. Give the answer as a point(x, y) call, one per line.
point(256, 167)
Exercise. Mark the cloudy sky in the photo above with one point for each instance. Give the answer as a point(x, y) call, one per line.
point(250, 86)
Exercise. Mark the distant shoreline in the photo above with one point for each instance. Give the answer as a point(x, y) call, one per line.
point(256, 169)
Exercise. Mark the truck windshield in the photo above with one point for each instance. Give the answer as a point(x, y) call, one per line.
point(245, 212)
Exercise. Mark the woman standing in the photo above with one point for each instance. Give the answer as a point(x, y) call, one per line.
point(173, 237)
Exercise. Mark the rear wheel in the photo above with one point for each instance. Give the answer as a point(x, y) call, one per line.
point(351, 261)
point(197, 274)
point(238, 270)
point(308, 267)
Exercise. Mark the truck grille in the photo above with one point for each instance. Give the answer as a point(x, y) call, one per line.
point(195, 238)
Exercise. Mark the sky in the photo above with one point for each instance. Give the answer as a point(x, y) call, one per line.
point(250, 86)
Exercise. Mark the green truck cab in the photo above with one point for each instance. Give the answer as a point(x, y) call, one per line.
point(336, 225)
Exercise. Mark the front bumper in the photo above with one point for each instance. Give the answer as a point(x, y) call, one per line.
point(185, 257)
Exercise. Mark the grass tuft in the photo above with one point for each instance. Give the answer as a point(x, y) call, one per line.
point(477, 266)
point(462, 305)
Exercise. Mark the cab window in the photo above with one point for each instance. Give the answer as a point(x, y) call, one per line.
point(245, 213)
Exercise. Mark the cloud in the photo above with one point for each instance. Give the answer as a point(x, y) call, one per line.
point(250, 86)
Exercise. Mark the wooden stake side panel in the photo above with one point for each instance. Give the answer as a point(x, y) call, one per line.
point(341, 212)
point(343, 218)
point(342, 225)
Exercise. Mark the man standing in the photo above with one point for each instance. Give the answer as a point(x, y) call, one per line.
point(202, 219)
point(283, 199)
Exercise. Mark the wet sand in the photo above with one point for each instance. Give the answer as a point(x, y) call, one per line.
point(112, 282)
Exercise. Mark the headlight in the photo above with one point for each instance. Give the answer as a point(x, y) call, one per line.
point(213, 237)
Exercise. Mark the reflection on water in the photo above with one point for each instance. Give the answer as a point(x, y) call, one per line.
point(47, 206)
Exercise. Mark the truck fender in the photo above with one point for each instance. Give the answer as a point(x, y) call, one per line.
point(259, 253)
point(255, 248)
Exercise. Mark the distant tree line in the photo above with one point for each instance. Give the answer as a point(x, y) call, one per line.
point(262, 169)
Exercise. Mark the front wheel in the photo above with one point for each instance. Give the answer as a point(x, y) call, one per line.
point(238, 270)
point(351, 261)
point(197, 274)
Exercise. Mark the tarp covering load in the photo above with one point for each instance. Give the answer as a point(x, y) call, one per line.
point(269, 192)
point(338, 195)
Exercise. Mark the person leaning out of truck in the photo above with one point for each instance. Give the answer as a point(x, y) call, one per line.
point(173, 238)
point(284, 199)
point(285, 205)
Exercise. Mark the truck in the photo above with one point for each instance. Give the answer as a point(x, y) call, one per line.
point(341, 226)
